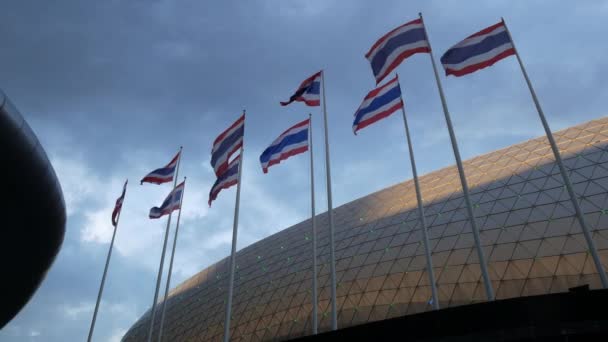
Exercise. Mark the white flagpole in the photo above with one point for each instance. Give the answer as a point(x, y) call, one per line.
point(558, 159)
point(164, 304)
point(103, 277)
point(162, 256)
point(233, 253)
point(332, 253)
point(463, 181)
point(314, 232)
point(425, 237)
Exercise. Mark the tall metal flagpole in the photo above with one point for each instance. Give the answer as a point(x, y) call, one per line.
point(425, 237)
point(558, 159)
point(233, 253)
point(162, 257)
point(463, 180)
point(332, 253)
point(315, 302)
point(164, 304)
point(103, 277)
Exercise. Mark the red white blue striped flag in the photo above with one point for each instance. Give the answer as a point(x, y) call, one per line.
point(478, 51)
point(291, 142)
point(118, 205)
point(229, 178)
point(378, 104)
point(308, 92)
point(171, 203)
point(226, 144)
point(390, 50)
point(163, 174)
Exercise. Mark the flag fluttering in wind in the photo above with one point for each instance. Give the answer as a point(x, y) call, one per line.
point(293, 141)
point(164, 174)
point(478, 51)
point(118, 205)
point(390, 50)
point(378, 104)
point(226, 180)
point(308, 92)
point(171, 203)
point(229, 174)
point(115, 218)
point(226, 144)
point(482, 50)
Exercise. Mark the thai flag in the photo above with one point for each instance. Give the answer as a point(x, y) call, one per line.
point(164, 174)
point(171, 203)
point(478, 51)
point(378, 104)
point(308, 92)
point(226, 144)
point(226, 180)
point(293, 141)
point(118, 206)
point(395, 46)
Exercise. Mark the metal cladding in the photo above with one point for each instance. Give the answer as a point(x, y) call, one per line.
point(531, 238)
point(33, 224)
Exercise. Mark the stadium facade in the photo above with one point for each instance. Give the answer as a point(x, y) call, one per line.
point(530, 237)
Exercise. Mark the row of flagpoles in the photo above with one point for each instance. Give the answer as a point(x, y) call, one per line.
point(476, 52)
point(172, 202)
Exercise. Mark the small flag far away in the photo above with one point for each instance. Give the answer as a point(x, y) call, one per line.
point(390, 50)
point(171, 203)
point(378, 104)
point(227, 179)
point(308, 92)
point(226, 144)
point(118, 206)
point(293, 141)
point(478, 51)
point(164, 174)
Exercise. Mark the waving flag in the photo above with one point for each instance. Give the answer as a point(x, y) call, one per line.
point(164, 174)
point(378, 104)
point(308, 92)
point(390, 50)
point(118, 205)
point(226, 180)
point(226, 144)
point(478, 51)
point(172, 202)
point(293, 141)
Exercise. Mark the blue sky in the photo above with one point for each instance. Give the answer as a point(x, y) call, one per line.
point(113, 88)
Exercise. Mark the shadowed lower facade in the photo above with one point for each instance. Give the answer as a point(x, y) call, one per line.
point(530, 237)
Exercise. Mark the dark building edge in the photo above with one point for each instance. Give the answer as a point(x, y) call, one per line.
point(34, 214)
point(578, 315)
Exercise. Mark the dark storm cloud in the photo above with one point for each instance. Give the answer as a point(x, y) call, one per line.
point(138, 72)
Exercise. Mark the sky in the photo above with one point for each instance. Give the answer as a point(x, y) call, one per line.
point(113, 88)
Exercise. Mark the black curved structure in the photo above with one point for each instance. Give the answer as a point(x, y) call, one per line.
point(33, 212)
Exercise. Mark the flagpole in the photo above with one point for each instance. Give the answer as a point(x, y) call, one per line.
point(164, 304)
point(233, 252)
point(465, 188)
point(103, 277)
point(162, 256)
point(332, 253)
point(558, 159)
point(425, 237)
point(314, 232)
